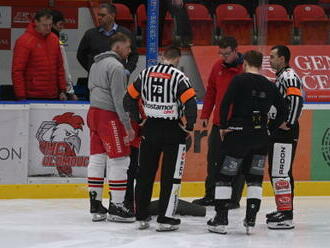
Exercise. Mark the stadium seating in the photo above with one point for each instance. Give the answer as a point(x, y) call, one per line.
point(311, 20)
point(201, 23)
point(325, 4)
point(234, 20)
point(273, 24)
point(124, 16)
point(168, 28)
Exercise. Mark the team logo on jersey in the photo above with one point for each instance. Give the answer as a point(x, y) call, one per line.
point(325, 146)
point(160, 75)
point(60, 143)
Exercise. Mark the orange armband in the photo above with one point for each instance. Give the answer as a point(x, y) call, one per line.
point(293, 91)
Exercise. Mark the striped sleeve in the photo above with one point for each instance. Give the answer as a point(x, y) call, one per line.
point(185, 91)
point(294, 96)
point(130, 101)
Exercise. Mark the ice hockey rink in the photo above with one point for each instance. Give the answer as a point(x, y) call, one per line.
point(55, 223)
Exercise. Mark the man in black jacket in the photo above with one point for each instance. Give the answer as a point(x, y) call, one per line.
point(96, 40)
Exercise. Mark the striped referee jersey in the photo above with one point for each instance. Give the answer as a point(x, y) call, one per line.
point(290, 87)
point(164, 90)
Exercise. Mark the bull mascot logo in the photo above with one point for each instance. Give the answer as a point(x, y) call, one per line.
point(59, 142)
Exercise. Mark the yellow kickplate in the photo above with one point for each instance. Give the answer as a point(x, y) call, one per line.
point(189, 189)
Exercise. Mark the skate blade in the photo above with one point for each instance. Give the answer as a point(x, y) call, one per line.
point(166, 227)
point(221, 229)
point(99, 217)
point(143, 225)
point(249, 230)
point(115, 218)
point(287, 224)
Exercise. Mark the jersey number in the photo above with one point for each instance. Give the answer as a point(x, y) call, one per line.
point(157, 89)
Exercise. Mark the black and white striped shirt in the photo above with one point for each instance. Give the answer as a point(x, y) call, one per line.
point(290, 87)
point(164, 91)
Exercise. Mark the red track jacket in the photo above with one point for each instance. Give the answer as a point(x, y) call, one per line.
point(218, 83)
point(37, 69)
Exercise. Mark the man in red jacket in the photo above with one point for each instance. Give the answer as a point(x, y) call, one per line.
point(37, 69)
point(221, 75)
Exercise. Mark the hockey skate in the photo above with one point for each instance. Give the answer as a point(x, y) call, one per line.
point(144, 224)
point(119, 213)
point(281, 220)
point(249, 224)
point(98, 211)
point(166, 224)
point(271, 214)
point(205, 201)
point(219, 223)
point(252, 209)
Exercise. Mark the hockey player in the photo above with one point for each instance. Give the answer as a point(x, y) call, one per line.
point(244, 134)
point(110, 131)
point(166, 95)
point(284, 140)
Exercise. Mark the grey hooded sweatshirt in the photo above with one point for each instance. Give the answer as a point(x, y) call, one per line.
point(107, 83)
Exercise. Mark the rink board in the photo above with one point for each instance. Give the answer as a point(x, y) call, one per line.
point(189, 189)
point(29, 160)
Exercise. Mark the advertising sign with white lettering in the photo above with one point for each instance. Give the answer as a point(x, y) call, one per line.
point(21, 16)
point(14, 143)
point(59, 140)
point(312, 64)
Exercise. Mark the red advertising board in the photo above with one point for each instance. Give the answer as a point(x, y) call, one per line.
point(312, 64)
point(21, 16)
point(5, 38)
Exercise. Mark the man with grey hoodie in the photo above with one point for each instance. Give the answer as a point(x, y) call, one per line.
point(110, 131)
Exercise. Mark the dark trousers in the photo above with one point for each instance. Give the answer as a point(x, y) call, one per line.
point(131, 174)
point(237, 147)
point(165, 137)
point(214, 156)
point(280, 136)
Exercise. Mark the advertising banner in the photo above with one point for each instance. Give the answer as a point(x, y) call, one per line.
point(303, 158)
point(14, 137)
point(321, 145)
point(5, 38)
point(312, 63)
point(152, 32)
point(59, 140)
point(196, 161)
point(21, 16)
point(52, 140)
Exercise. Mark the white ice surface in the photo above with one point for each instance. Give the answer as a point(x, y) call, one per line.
point(55, 223)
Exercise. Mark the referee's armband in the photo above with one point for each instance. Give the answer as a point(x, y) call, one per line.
point(293, 91)
point(187, 95)
point(134, 93)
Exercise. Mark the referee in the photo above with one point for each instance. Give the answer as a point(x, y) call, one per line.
point(284, 139)
point(166, 95)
